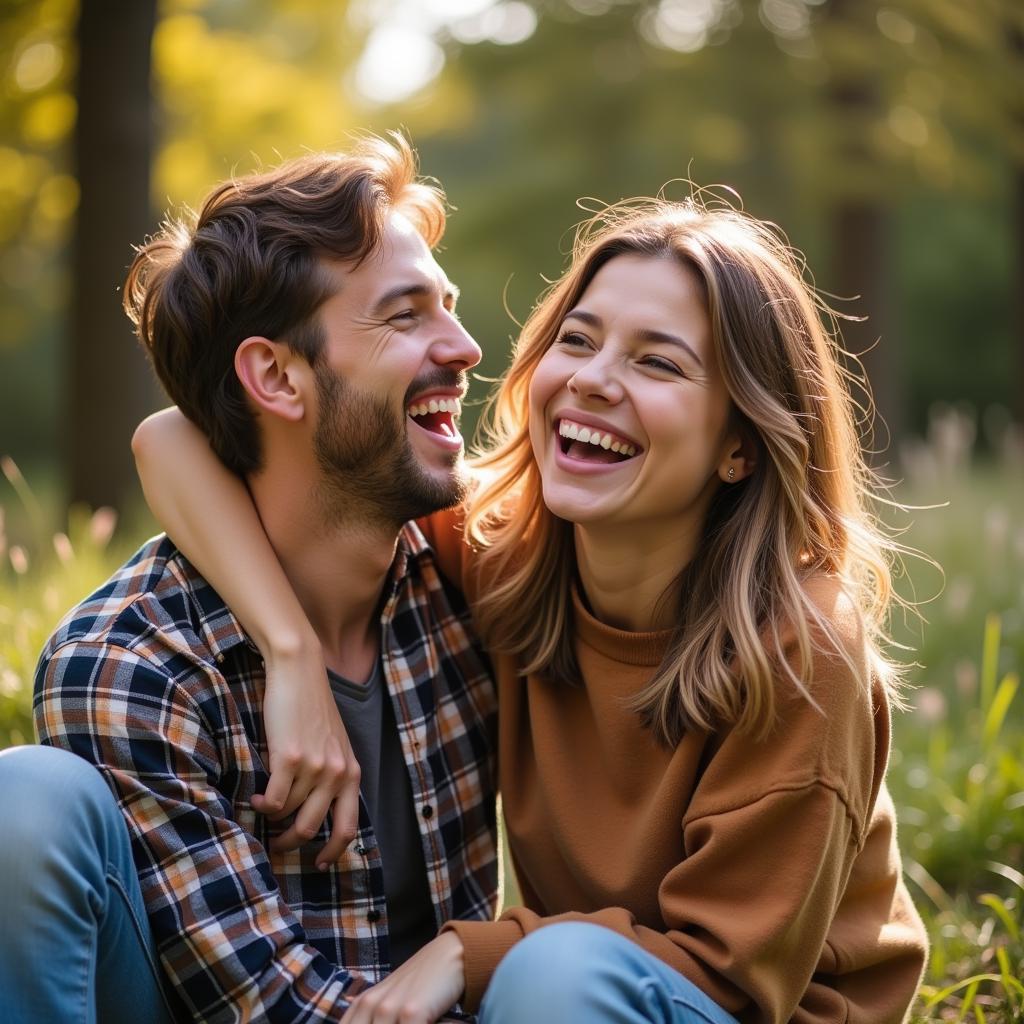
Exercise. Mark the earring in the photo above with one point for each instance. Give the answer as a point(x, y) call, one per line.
point(732, 473)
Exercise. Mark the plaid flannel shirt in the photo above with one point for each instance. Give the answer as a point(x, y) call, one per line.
point(153, 680)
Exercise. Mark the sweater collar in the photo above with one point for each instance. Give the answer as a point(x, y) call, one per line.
point(643, 649)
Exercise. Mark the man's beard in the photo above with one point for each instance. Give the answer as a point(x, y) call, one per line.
point(370, 473)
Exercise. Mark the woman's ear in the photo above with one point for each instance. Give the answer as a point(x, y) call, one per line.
point(274, 377)
point(740, 456)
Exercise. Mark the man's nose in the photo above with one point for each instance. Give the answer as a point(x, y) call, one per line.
point(455, 346)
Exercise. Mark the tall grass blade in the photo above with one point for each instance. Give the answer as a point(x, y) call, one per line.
point(968, 1003)
point(971, 983)
point(914, 871)
point(25, 494)
point(996, 714)
point(1008, 979)
point(996, 905)
point(1012, 874)
point(990, 659)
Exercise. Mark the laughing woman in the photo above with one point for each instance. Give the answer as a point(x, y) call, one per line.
point(670, 556)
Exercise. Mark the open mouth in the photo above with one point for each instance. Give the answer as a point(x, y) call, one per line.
point(437, 415)
point(589, 444)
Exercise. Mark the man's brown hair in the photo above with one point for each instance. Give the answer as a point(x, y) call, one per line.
point(249, 264)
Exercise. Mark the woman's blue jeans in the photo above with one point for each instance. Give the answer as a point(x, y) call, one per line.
point(582, 972)
point(75, 945)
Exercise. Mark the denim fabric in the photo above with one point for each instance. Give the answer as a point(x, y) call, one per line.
point(75, 944)
point(583, 972)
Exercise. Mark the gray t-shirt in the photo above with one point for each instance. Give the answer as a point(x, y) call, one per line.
point(387, 796)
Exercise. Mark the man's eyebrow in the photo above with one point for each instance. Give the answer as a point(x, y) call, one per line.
point(416, 290)
point(644, 334)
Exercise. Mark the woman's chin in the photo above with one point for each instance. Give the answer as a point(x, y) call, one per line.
point(579, 509)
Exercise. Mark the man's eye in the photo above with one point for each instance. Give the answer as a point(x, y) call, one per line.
point(406, 314)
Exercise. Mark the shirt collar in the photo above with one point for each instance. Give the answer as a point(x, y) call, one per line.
point(223, 632)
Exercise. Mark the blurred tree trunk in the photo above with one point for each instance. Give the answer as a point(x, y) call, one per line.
point(1016, 38)
point(110, 386)
point(859, 235)
point(859, 227)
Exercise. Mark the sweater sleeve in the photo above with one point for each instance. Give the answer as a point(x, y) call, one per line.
point(769, 839)
point(746, 912)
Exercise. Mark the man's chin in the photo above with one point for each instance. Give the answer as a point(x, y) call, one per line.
point(447, 487)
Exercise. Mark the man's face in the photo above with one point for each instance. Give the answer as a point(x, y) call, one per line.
point(390, 383)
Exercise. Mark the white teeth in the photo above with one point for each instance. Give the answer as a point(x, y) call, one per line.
point(449, 405)
point(573, 431)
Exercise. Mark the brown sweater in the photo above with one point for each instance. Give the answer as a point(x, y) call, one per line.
point(765, 872)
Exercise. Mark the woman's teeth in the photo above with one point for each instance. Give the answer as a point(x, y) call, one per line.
point(588, 435)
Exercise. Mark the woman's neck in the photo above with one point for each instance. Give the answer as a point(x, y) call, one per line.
point(628, 577)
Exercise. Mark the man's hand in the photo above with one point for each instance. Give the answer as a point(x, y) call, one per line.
point(419, 992)
point(312, 766)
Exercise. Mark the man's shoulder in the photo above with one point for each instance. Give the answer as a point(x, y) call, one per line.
point(155, 603)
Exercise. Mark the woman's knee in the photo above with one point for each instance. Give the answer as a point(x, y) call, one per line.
point(558, 966)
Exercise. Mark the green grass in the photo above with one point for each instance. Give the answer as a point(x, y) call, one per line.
point(957, 768)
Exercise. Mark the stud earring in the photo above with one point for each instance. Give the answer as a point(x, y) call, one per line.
point(732, 473)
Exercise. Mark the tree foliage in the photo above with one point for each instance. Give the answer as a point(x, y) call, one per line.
point(603, 98)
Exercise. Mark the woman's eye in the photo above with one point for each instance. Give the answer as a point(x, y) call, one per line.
point(663, 364)
point(572, 339)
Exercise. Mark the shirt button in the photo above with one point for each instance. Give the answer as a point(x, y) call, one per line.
point(360, 849)
point(428, 811)
point(373, 916)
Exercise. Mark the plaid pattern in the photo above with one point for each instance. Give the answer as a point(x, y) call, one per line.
point(153, 680)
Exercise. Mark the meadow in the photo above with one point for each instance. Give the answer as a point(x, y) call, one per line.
point(957, 766)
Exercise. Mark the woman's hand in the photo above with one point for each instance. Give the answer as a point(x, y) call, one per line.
point(419, 992)
point(312, 766)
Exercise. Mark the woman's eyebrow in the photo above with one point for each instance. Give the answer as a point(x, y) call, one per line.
point(644, 334)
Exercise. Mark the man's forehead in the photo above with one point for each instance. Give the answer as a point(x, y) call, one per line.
point(383, 271)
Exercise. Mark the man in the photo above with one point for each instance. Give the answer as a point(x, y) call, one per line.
point(304, 325)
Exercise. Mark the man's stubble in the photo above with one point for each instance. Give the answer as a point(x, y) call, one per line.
point(369, 471)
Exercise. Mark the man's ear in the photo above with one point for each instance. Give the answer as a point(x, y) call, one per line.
point(277, 379)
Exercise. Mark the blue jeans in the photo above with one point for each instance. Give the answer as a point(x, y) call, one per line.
point(582, 972)
point(75, 945)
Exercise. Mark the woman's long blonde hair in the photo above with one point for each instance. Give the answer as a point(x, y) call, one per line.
point(803, 512)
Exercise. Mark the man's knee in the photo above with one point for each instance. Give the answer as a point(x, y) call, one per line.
point(52, 799)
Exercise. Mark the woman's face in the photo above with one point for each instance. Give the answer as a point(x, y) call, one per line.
point(629, 416)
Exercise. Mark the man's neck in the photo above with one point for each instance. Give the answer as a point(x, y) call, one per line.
point(337, 567)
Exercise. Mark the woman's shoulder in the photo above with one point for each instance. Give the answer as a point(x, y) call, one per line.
point(444, 531)
point(826, 637)
point(826, 729)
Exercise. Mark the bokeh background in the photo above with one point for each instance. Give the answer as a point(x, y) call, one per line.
point(885, 136)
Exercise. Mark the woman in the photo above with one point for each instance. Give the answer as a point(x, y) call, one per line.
point(670, 556)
